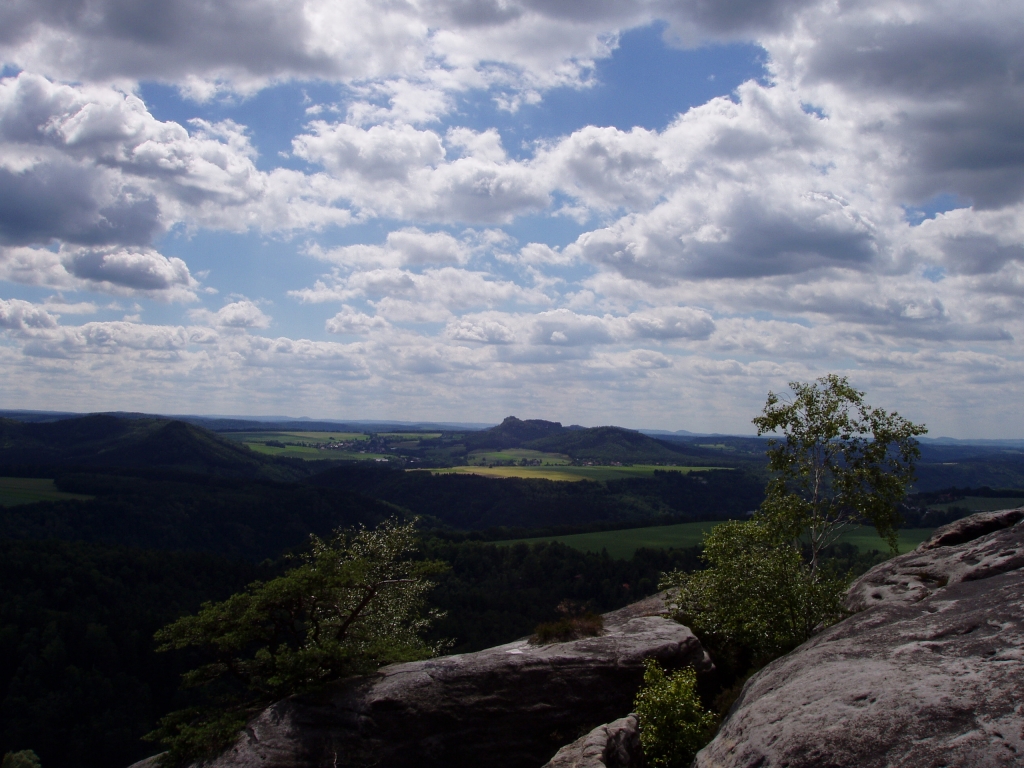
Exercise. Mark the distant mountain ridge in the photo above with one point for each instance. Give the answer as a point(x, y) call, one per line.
point(108, 441)
point(513, 433)
point(580, 443)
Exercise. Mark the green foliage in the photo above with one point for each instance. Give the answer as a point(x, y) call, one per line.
point(199, 732)
point(674, 725)
point(354, 603)
point(841, 462)
point(757, 597)
point(26, 758)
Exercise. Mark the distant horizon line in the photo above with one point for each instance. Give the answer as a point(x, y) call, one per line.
point(472, 425)
point(476, 425)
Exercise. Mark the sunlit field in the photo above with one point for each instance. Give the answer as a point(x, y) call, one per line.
point(623, 543)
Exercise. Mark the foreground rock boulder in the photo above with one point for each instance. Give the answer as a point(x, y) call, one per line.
point(511, 706)
point(928, 673)
point(613, 745)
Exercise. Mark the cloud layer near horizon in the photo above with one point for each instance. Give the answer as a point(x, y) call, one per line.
point(779, 232)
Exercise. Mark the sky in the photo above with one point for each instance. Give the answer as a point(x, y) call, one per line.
point(647, 213)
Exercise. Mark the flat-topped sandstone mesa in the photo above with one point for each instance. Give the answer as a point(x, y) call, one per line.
point(930, 672)
point(511, 706)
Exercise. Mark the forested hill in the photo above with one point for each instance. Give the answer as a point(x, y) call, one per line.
point(581, 443)
point(612, 443)
point(101, 441)
point(514, 433)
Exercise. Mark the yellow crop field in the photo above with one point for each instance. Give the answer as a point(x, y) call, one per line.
point(567, 473)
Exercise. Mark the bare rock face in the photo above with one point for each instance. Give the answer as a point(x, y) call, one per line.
point(506, 707)
point(976, 547)
point(927, 674)
point(973, 527)
point(614, 745)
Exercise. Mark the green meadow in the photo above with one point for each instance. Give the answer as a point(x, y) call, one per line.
point(26, 490)
point(622, 544)
point(517, 454)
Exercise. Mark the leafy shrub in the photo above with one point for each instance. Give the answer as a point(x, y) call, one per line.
point(26, 758)
point(757, 596)
point(674, 725)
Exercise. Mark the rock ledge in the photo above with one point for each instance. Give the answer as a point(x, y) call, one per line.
point(511, 706)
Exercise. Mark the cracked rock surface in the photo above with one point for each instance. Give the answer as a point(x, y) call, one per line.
point(511, 706)
point(928, 673)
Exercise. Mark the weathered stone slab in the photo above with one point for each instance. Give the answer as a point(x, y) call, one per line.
point(973, 527)
point(511, 706)
point(928, 675)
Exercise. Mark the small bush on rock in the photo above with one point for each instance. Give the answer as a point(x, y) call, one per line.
point(674, 725)
point(574, 624)
point(568, 628)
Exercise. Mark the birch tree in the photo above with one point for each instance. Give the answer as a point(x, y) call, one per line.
point(837, 462)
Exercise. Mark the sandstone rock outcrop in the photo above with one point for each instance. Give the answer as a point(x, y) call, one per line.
point(927, 674)
point(613, 745)
point(511, 706)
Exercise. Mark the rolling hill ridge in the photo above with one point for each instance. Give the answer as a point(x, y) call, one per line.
point(102, 441)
